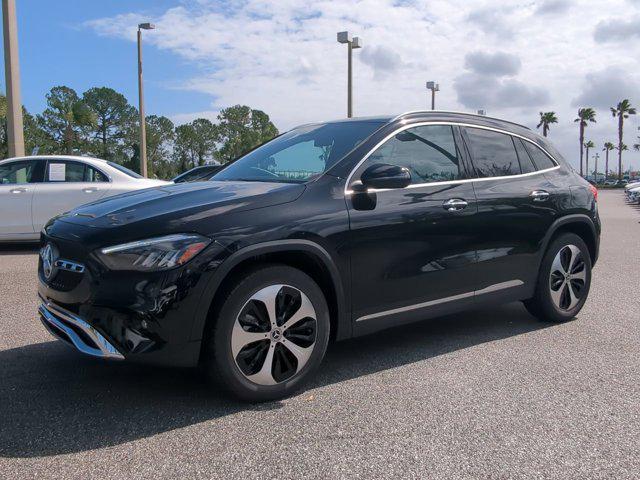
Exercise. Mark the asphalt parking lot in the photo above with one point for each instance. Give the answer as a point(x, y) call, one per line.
point(486, 394)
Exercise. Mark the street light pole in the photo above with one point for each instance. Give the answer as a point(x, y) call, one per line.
point(15, 132)
point(143, 126)
point(352, 43)
point(596, 157)
point(434, 87)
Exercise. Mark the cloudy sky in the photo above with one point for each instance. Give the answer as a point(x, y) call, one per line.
point(511, 58)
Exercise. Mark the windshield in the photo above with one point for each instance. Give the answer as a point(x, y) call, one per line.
point(300, 154)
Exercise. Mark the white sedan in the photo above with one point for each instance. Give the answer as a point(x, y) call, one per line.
point(35, 189)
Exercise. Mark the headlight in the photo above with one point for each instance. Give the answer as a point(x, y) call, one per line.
point(154, 254)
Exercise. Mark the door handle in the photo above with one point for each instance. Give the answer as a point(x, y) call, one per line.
point(539, 195)
point(18, 190)
point(454, 205)
point(90, 189)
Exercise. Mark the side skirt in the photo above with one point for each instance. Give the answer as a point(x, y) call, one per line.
point(504, 292)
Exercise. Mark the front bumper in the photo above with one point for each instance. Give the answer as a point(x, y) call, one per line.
point(135, 316)
point(75, 331)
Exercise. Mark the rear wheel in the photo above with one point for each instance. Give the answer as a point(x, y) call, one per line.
point(564, 280)
point(270, 334)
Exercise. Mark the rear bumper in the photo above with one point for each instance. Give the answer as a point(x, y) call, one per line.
point(76, 332)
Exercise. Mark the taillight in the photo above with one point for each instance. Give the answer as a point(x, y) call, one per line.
point(594, 190)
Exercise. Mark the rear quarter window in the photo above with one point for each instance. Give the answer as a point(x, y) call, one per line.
point(541, 159)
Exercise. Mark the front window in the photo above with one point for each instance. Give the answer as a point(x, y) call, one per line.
point(27, 171)
point(300, 154)
point(429, 152)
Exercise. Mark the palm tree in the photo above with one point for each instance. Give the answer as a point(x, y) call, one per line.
point(546, 119)
point(622, 111)
point(585, 115)
point(588, 146)
point(621, 148)
point(608, 146)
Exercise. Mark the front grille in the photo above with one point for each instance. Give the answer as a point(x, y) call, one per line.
point(67, 264)
point(62, 280)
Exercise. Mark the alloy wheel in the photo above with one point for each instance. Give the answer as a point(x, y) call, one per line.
point(568, 278)
point(274, 335)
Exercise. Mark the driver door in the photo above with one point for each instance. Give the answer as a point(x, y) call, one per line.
point(413, 249)
point(18, 181)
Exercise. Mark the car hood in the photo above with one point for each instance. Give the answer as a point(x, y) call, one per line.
point(178, 204)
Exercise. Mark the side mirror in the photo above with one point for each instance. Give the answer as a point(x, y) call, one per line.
point(383, 175)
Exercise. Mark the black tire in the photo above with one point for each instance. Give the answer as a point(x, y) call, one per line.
point(542, 305)
point(224, 368)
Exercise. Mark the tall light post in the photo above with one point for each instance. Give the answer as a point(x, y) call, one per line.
point(15, 132)
point(143, 126)
point(352, 43)
point(434, 87)
point(595, 175)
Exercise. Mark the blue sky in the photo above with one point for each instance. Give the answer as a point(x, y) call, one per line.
point(513, 58)
point(56, 48)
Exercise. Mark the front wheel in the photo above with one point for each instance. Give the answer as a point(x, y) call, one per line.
point(270, 334)
point(564, 280)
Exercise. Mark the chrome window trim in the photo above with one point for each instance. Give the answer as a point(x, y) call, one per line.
point(347, 191)
point(490, 289)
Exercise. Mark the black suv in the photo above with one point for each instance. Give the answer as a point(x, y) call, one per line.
point(331, 230)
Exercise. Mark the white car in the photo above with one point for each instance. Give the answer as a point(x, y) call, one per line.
point(633, 194)
point(35, 189)
point(632, 184)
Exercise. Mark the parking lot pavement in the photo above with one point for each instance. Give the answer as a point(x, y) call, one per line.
point(490, 393)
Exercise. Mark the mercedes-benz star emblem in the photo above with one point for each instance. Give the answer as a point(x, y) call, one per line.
point(47, 261)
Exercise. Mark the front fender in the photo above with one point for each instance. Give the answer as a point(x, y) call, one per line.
point(343, 322)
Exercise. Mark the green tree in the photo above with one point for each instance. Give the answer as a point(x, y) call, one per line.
point(588, 146)
point(622, 111)
point(113, 116)
point(242, 129)
point(585, 115)
point(160, 138)
point(66, 119)
point(34, 136)
point(546, 119)
point(608, 146)
point(195, 143)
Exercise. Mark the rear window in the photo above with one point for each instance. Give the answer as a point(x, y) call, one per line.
point(540, 158)
point(493, 153)
point(64, 171)
point(124, 170)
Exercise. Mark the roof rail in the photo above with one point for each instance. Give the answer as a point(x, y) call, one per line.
point(397, 117)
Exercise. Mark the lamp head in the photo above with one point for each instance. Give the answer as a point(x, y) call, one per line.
point(344, 37)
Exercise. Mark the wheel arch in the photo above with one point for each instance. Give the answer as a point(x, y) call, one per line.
point(579, 224)
point(305, 255)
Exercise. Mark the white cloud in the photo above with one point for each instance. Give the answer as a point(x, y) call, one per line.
point(282, 57)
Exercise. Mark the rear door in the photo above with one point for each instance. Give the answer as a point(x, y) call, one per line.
point(68, 184)
point(18, 180)
point(412, 249)
point(515, 212)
